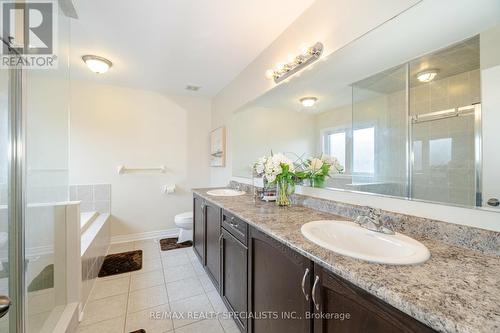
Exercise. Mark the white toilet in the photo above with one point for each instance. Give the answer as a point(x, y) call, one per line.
point(185, 223)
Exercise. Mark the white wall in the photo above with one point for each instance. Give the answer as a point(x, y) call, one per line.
point(257, 131)
point(113, 126)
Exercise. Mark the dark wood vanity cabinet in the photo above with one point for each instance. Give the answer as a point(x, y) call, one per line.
point(280, 291)
point(212, 232)
point(276, 275)
point(199, 228)
point(206, 232)
point(233, 281)
point(336, 298)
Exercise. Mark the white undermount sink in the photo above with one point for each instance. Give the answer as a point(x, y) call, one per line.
point(225, 192)
point(350, 239)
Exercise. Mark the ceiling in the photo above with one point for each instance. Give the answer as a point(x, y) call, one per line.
point(165, 45)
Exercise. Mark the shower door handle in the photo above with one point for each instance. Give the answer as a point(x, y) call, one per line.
point(4, 305)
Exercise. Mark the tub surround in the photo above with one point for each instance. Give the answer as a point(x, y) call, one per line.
point(456, 290)
point(92, 197)
point(95, 242)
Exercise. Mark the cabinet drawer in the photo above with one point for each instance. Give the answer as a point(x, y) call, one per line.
point(235, 226)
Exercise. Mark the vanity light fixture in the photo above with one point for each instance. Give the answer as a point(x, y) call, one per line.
point(97, 64)
point(427, 75)
point(282, 71)
point(308, 102)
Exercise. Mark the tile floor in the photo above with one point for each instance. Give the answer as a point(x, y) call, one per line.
point(172, 287)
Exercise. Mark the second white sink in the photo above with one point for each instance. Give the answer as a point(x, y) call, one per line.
point(225, 192)
point(349, 239)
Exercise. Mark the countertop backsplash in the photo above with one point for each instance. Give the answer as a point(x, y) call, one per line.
point(484, 241)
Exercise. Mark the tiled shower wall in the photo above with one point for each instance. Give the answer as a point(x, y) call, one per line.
point(444, 168)
point(93, 197)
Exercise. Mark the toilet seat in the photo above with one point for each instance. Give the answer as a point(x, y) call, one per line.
point(184, 220)
point(185, 223)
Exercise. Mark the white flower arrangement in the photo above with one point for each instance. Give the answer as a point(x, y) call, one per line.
point(274, 166)
point(318, 169)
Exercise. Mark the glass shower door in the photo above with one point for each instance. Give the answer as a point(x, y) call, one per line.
point(445, 125)
point(445, 156)
point(11, 247)
point(34, 137)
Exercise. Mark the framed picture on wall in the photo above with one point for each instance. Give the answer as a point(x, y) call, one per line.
point(218, 147)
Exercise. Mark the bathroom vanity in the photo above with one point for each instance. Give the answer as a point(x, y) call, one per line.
point(265, 267)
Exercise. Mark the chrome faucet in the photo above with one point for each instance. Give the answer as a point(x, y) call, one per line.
point(373, 222)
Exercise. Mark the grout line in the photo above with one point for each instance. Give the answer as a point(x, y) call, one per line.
point(98, 322)
point(128, 298)
point(165, 285)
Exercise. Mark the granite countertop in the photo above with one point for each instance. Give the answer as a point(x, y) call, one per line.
point(456, 290)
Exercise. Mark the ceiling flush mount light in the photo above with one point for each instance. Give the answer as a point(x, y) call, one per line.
point(308, 102)
point(307, 57)
point(97, 64)
point(427, 75)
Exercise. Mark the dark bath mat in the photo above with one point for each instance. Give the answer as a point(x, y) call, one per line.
point(44, 280)
point(171, 244)
point(121, 263)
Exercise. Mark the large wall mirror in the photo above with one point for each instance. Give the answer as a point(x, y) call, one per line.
point(411, 109)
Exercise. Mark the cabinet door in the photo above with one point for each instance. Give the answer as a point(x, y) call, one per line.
point(234, 276)
point(336, 298)
point(199, 228)
point(212, 232)
point(276, 274)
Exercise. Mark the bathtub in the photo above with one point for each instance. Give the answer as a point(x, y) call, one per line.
point(91, 226)
point(94, 244)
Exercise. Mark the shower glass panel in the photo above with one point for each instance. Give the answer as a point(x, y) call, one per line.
point(445, 121)
point(379, 134)
point(34, 136)
point(4, 201)
point(47, 155)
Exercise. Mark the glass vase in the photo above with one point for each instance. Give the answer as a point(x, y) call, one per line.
point(316, 182)
point(283, 191)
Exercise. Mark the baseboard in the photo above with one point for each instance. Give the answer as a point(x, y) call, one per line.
point(168, 233)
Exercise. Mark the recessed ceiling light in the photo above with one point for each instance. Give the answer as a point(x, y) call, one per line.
point(97, 64)
point(308, 102)
point(192, 88)
point(427, 75)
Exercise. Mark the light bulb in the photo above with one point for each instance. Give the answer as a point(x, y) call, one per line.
point(269, 74)
point(308, 102)
point(427, 76)
point(97, 64)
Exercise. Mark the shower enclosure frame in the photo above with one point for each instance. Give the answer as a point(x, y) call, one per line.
point(16, 196)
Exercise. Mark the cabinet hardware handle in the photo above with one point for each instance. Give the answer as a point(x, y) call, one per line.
point(313, 293)
point(306, 273)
